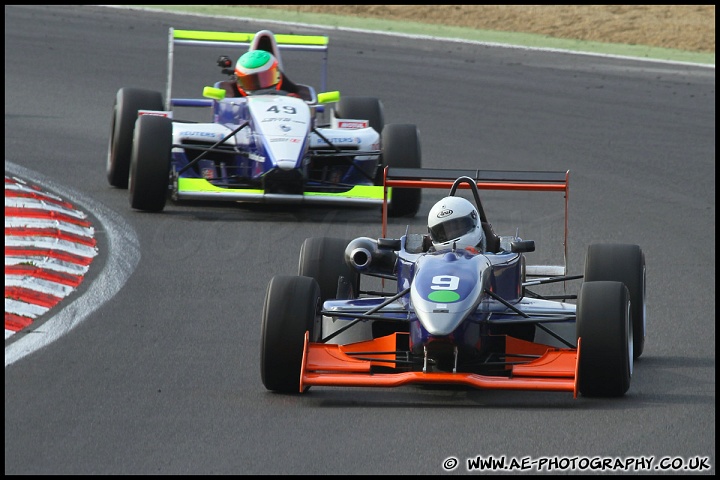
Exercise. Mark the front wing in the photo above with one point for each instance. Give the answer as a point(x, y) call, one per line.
point(203, 190)
point(553, 369)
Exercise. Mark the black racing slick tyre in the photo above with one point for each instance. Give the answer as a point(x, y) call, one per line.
point(362, 108)
point(622, 263)
point(291, 308)
point(125, 111)
point(604, 327)
point(323, 259)
point(401, 149)
point(150, 164)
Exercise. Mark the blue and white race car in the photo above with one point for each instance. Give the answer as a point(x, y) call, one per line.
point(312, 148)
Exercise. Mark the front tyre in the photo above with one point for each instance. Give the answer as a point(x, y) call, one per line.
point(323, 259)
point(362, 108)
point(604, 327)
point(150, 164)
point(401, 149)
point(291, 308)
point(125, 111)
point(626, 264)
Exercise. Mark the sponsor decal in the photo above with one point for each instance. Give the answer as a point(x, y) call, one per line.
point(190, 133)
point(352, 124)
point(157, 113)
point(444, 213)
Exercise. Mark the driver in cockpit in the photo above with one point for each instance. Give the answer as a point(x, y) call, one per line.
point(454, 220)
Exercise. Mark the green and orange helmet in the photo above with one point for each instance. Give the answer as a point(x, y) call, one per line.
point(257, 70)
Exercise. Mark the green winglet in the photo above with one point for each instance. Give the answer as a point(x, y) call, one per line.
point(214, 93)
point(329, 97)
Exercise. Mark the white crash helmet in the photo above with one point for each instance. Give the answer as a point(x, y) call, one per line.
point(455, 219)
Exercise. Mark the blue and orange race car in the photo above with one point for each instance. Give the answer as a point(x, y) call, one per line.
point(454, 316)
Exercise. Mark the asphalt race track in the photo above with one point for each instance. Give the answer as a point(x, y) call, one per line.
point(162, 376)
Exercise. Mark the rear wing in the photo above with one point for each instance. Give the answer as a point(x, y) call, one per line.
point(264, 40)
point(547, 181)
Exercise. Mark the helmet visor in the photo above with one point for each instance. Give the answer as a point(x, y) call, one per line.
point(259, 80)
point(453, 228)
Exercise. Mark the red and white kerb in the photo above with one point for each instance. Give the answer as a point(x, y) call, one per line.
point(49, 246)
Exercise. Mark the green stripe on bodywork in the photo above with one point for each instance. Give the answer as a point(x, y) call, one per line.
point(281, 39)
point(358, 191)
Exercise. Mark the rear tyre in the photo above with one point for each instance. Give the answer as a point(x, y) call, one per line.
point(362, 108)
point(626, 264)
point(604, 325)
point(291, 308)
point(401, 149)
point(125, 111)
point(323, 259)
point(150, 164)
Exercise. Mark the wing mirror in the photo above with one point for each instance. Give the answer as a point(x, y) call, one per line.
point(523, 246)
point(328, 97)
point(214, 93)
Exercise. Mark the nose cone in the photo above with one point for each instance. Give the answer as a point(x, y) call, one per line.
point(286, 164)
point(446, 290)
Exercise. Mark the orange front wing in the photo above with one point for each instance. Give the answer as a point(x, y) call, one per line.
point(331, 365)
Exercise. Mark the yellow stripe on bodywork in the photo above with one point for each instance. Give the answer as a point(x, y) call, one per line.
point(281, 39)
point(358, 191)
point(202, 185)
